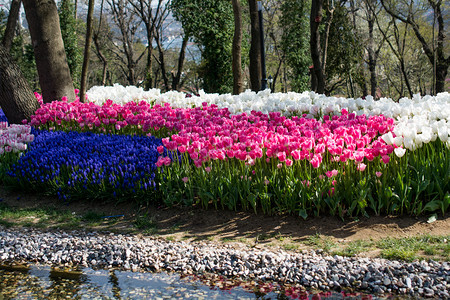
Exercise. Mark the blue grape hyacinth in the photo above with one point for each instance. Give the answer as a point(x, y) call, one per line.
point(88, 165)
point(2, 116)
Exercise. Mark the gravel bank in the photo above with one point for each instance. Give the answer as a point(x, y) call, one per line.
point(309, 268)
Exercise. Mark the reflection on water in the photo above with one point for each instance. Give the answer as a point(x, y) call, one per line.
point(44, 282)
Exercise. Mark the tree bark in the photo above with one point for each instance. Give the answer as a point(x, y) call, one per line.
point(16, 97)
point(238, 82)
point(330, 14)
point(177, 78)
point(87, 48)
point(51, 61)
point(372, 59)
point(315, 19)
point(255, 48)
point(99, 53)
point(11, 24)
point(161, 61)
point(101, 56)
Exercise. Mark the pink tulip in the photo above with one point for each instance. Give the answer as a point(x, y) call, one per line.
point(361, 167)
point(385, 159)
point(281, 156)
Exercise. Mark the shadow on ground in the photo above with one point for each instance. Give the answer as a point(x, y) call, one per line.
point(216, 225)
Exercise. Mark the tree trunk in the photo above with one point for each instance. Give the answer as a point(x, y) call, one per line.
point(238, 82)
point(330, 14)
point(102, 58)
point(372, 61)
point(99, 53)
point(363, 84)
point(87, 48)
point(442, 63)
point(315, 19)
point(149, 73)
point(441, 74)
point(176, 79)
point(162, 62)
point(255, 48)
point(275, 77)
point(16, 97)
point(51, 61)
point(405, 75)
point(11, 24)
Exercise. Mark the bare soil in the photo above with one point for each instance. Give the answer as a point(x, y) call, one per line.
point(238, 228)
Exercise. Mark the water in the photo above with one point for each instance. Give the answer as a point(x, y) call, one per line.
point(44, 282)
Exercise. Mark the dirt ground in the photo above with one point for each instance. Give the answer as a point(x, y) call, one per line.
point(195, 224)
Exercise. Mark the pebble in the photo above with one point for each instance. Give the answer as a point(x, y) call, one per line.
point(312, 269)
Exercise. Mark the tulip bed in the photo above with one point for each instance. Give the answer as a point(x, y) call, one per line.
point(308, 157)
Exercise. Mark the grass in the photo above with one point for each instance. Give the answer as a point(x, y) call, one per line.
point(49, 217)
point(355, 247)
point(318, 241)
point(145, 224)
point(412, 248)
point(406, 249)
point(290, 247)
point(92, 217)
point(39, 217)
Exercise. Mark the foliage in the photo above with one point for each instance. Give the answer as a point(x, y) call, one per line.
point(210, 23)
point(22, 53)
point(68, 25)
point(344, 50)
point(340, 164)
point(295, 41)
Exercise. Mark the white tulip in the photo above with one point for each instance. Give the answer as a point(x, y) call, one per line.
point(399, 152)
point(388, 138)
point(398, 141)
point(443, 133)
point(411, 115)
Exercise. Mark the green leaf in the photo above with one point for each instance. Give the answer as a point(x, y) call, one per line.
point(432, 205)
point(302, 213)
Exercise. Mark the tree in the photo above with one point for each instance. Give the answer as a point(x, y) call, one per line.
point(16, 98)
point(51, 62)
point(398, 48)
point(210, 24)
point(127, 23)
point(150, 17)
point(294, 42)
point(12, 24)
point(314, 21)
point(87, 48)
point(237, 41)
point(176, 77)
point(368, 36)
point(68, 25)
point(255, 48)
point(436, 55)
point(99, 52)
point(160, 22)
point(342, 62)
